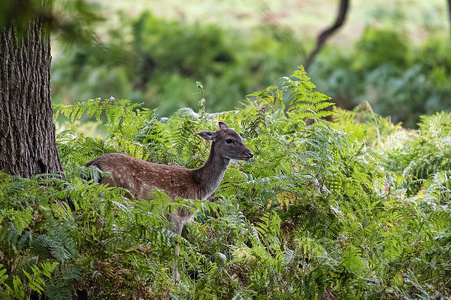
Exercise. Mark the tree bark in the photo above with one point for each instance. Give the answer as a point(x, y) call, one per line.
point(341, 17)
point(27, 132)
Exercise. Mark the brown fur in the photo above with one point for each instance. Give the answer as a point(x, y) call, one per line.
point(140, 177)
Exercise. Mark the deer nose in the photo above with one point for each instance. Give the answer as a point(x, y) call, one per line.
point(249, 152)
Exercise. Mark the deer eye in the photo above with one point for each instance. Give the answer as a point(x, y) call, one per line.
point(229, 141)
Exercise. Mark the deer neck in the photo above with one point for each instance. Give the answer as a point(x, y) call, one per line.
point(210, 175)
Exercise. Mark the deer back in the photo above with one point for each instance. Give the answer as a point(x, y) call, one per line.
point(140, 177)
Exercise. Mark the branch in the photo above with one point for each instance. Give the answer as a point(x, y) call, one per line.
point(342, 11)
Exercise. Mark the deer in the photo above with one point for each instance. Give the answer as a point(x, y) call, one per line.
point(139, 177)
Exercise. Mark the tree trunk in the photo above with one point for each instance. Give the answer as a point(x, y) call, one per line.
point(27, 132)
point(341, 17)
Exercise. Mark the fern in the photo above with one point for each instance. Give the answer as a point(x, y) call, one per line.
point(356, 207)
point(305, 101)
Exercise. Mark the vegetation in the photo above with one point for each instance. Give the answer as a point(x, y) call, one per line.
point(402, 81)
point(156, 61)
point(354, 208)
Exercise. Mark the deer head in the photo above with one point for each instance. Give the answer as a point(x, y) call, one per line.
point(227, 143)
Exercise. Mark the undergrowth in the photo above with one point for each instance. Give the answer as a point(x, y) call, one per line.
point(156, 61)
point(357, 208)
point(399, 78)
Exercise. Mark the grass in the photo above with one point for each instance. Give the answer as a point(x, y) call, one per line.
point(307, 17)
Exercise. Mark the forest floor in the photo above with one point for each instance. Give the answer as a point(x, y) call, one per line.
point(306, 17)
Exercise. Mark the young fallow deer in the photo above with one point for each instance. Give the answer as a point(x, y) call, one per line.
point(140, 177)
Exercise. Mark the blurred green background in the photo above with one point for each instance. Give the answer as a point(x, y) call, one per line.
point(394, 54)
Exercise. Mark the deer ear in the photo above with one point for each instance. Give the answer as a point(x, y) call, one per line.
point(222, 125)
point(207, 135)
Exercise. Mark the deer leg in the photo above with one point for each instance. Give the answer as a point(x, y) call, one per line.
point(175, 271)
point(177, 227)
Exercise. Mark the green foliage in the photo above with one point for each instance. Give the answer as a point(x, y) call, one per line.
point(156, 61)
point(372, 50)
point(355, 208)
point(399, 79)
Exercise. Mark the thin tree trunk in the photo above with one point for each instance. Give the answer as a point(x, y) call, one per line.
point(27, 132)
point(341, 17)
